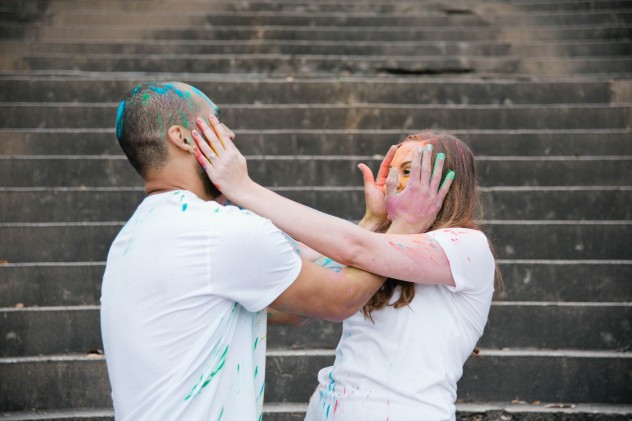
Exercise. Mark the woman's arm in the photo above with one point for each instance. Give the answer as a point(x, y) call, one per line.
point(415, 258)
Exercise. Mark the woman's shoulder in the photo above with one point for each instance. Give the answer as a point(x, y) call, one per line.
point(468, 251)
point(457, 234)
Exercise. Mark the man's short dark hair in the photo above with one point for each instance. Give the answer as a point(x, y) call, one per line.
point(143, 118)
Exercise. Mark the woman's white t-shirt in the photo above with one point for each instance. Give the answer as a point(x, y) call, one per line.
point(405, 366)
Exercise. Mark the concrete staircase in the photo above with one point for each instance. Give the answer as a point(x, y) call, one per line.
point(540, 89)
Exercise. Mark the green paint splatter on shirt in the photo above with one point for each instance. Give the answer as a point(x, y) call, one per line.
point(202, 382)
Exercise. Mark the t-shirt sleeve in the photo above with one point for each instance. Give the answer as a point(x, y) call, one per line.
point(471, 260)
point(258, 262)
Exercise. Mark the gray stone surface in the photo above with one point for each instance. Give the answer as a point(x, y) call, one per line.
point(539, 90)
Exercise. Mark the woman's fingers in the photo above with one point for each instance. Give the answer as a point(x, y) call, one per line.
point(445, 186)
point(385, 165)
point(210, 136)
point(426, 165)
point(437, 171)
point(367, 174)
point(415, 168)
point(203, 146)
point(218, 129)
point(391, 183)
point(200, 157)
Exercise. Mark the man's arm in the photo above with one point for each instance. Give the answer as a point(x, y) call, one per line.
point(329, 295)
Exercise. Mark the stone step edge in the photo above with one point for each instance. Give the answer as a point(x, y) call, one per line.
point(483, 352)
point(500, 261)
point(517, 3)
point(348, 14)
point(323, 189)
point(330, 106)
point(573, 222)
point(305, 157)
point(291, 407)
point(336, 131)
point(333, 79)
point(319, 57)
point(277, 42)
point(509, 27)
point(91, 75)
point(600, 304)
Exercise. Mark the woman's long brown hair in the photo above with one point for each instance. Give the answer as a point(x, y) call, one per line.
point(461, 208)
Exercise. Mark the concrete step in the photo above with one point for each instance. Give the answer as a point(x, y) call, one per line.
point(45, 284)
point(286, 64)
point(302, 171)
point(487, 411)
point(57, 382)
point(563, 240)
point(79, 283)
point(556, 32)
point(510, 203)
point(604, 326)
point(288, 47)
point(446, 7)
point(583, 142)
point(349, 91)
point(566, 376)
point(553, 49)
point(173, 18)
point(337, 116)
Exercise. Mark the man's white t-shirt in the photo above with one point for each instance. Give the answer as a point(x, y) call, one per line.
point(183, 309)
point(405, 366)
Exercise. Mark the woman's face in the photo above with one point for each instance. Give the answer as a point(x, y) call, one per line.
point(402, 162)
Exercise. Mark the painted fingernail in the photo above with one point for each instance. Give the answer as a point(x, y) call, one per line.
point(212, 117)
point(420, 150)
point(429, 147)
point(194, 132)
point(451, 175)
point(440, 155)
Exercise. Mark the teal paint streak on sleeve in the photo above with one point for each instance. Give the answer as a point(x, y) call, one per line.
point(293, 243)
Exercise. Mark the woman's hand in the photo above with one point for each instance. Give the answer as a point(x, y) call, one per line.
point(375, 216)
point(222, 161)
point(416, 207)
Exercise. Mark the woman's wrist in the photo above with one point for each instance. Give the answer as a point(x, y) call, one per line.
point(372, 223)
point(244, 194)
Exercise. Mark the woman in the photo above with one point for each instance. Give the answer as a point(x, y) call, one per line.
point(401, 358)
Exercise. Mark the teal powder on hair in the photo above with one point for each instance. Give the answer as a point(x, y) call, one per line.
point(119, 120)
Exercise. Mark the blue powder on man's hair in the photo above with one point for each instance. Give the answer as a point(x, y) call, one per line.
point(119, 120)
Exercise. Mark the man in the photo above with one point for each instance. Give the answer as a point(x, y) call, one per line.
point(188, 280)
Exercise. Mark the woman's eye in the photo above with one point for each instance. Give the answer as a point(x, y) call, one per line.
point(406, 172)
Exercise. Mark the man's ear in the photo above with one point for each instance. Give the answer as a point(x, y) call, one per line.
point(180, 138)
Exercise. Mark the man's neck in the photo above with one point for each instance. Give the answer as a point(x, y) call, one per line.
point(156, 185)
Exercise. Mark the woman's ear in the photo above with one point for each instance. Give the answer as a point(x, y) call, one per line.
point(180, 138)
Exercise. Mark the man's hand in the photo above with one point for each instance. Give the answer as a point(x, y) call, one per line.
point(417, 206)
point(222, 161)
point(375, 216)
